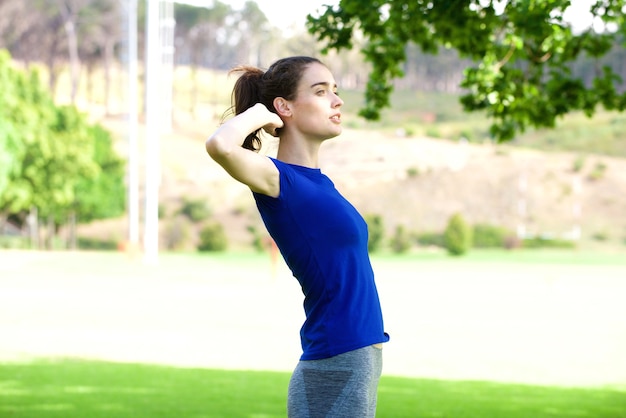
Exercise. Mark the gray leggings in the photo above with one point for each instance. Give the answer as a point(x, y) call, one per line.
point(343, 386)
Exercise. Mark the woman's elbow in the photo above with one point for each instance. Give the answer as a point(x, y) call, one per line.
point(216, 148)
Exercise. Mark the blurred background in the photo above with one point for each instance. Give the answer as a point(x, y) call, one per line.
point(83, 169)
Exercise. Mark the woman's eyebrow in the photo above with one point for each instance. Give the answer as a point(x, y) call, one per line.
point(323, 83)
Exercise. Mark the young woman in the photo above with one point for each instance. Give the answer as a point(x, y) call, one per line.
point(321, 236)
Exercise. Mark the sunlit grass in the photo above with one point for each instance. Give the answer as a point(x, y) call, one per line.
point(75, 388)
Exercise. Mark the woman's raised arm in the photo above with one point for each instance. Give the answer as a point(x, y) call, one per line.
point(250, 168)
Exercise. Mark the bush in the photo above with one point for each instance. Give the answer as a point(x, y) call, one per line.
point(412, 172)
point(258, 242)
point(8, 242)
point(86, 243)
point(578, 165)
point(600, 236)
point(490, 236)
point(598, 172)
point(431, 239)
point(543, 242)
point(213, 238)
point(457, 236)
point(401, 241)
point(376, 232)
point(195, 209)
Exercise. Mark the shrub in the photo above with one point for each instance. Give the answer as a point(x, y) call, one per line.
point(195, 209)
point(579, 163)
point(431, 238)
point(457, 236)
point(13, 242)
point(376, 232)
point(161, 211)
point(598, 172)
point(213, 238)
point(258, 243)
point(87, 243)
point(490, 236)
point(401, 241)
point(600, 236)
point(543, 242)
point(412, 172)
point(433, 132)
point(466, 135)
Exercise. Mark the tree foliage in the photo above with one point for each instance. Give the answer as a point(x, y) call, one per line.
point(103, 195)
point(213, 238)
point(522, 52)
point(52, 158)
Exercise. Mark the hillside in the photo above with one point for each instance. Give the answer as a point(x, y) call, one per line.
point(416, 182)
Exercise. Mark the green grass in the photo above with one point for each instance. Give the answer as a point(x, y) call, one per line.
point(80, 389)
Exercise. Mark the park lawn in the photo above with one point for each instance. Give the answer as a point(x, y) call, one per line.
point(72, 388)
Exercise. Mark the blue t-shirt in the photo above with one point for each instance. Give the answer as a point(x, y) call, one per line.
point(323, 240)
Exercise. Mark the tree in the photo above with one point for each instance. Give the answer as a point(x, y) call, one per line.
point(51, 157)
point(100, 32)
point(198, 27)
point(10, 143)
point(103, 195)
point(255, 31)
point(522, 50)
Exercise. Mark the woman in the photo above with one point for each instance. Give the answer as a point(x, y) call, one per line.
point(320, 235)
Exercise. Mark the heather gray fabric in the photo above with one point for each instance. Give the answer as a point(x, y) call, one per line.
point(343, 386)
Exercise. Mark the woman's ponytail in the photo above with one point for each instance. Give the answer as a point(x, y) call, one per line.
point(247, 93)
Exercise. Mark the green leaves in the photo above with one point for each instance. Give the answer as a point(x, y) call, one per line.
point(523, 51)
point(50, 153)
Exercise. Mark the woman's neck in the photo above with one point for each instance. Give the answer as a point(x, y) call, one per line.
point(303, 153)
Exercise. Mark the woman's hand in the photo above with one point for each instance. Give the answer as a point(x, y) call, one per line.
point(273, 127)
point(274, 122)
point(250, 168)
point(270, 122)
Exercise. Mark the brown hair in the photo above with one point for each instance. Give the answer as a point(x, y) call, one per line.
point(257, 86)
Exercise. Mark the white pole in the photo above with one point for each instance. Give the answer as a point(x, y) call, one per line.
point(133, 157)
point(153, 64)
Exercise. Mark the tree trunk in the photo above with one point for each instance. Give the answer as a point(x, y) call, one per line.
point(90, 71)
point(50, 233)
point(72, 47)
point(33, 228)
point(108, 59)
point(71, 231)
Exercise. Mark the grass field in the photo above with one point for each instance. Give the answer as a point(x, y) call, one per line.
point(495, 334)
point(78, 389)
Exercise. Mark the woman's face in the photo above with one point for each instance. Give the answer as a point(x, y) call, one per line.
point(316, 108)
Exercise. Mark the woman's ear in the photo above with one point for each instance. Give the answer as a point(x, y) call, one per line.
point(282, 107)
